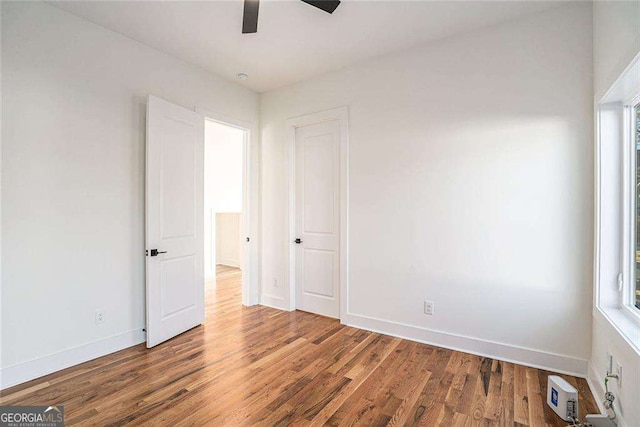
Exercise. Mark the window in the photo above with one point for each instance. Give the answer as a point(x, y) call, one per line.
point(617, 207)
point(629, 288)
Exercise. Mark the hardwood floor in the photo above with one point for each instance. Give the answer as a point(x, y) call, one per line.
point(260, 366)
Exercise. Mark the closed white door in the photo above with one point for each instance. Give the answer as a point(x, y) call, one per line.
point(174, 220)
point(317, 222)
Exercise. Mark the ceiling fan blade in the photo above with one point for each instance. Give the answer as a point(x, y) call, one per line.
point(327, 5)
point(250, 16)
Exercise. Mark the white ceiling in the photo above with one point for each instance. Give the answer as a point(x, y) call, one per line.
point(295, 41)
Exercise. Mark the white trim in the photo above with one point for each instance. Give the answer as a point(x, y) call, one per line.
point(607, 218)
point(597, 212)
point(251, 203)
point(613, 246)
point(624, 326)
point(211, 275)
point(226, 120)
point(626, 240)
point(278, 303)
point(36, 368)
point(633, 101)
point(506, 352)
point(596, 385)
point(228, 262)
point(342, 115)
point(619, 84)
point(626, 293)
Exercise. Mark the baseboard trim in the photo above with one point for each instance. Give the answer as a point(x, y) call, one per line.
point(508, 353)
point(596, 385)
point(228, 262)
point(273, 302)
point(36, 368)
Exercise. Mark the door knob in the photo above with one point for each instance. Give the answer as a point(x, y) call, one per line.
point(155, 252)
point(298, 241)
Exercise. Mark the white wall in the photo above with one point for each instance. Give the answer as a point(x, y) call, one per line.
point(224, 147)
point(228, 238)
point(73, 180)
point(616, 41)
point(470, 185)
point(223, 187)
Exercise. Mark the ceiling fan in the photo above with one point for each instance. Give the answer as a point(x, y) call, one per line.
point(250, 17)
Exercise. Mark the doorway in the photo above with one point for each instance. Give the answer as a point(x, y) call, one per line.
point(178, 256)
point(224, 202)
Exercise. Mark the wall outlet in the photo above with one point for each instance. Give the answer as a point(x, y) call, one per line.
point(619, 373)
point(100, 317)
point(275, 283)
point(428, 307)
point(609, 363)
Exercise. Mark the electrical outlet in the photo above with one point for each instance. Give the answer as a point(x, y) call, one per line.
point(619, 373)
point(428, 307)
point(609, 363)
point(275, 282)
point(100, 317)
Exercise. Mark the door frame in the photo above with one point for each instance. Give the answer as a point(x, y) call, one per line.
point(250, 203)
point(342, 115)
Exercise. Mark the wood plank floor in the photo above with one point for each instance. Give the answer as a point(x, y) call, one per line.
point(260, 366)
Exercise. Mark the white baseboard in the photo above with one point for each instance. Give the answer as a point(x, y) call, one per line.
point(596, 385)
point(508, 353)
point(228, 262)
point(36, 368)
point(273, 302)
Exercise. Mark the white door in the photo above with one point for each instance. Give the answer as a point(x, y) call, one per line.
point(174, 220)
point(317, 222)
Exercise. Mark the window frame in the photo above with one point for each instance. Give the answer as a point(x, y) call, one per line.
point(612, 211)
point(627, 286)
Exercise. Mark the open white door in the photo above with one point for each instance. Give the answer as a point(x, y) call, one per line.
point(174, 220)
